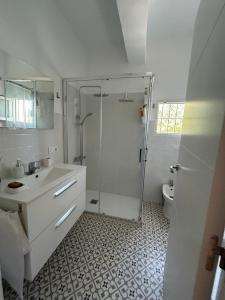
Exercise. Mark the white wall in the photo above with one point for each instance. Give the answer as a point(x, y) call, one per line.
point(29, 145)
point(122, 137)
point(37, 33)
point(168, 59)
point(163, 152)
point(203, 122)
point(12, 67)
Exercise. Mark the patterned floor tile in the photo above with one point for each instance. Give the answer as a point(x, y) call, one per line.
point(62, 288)
point(105, 285)
point(131, 291)
point(121, 274)
point(104, 258)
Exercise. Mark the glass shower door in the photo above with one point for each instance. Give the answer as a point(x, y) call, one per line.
point(83, 136)
point(92, 103)
point(145, 144)
point(123, 135)
point(105, 117)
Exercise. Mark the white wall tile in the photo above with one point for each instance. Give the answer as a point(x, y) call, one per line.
point(29, 145)
point(163, 152)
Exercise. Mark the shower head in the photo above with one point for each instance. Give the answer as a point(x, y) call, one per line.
point(85, 117)
point(101, 95)
point(125, 99)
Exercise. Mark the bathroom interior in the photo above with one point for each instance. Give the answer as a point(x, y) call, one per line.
point(105, 132)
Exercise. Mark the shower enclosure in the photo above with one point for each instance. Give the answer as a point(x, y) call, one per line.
point(106, 128)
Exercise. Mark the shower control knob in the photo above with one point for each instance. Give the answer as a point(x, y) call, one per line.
point(78, 158)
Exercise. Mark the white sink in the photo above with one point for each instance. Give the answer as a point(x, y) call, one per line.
point(44, 176)
point(52, 202)
point(38, 183)
point(54, 174)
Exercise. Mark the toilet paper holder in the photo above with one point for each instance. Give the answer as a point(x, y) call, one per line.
point(174, 168)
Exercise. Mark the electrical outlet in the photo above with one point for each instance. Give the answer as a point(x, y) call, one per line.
point(52, 149)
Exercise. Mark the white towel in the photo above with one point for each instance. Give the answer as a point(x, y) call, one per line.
point(13, 246)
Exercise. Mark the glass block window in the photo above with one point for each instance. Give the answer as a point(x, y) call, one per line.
point(170, 117)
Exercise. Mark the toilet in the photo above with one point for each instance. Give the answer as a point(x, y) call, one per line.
point(168, 194)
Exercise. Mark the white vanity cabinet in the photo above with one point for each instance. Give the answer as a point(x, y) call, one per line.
point(38, 214)
point(50, 215)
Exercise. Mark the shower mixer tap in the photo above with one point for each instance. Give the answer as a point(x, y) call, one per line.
point(79, 158)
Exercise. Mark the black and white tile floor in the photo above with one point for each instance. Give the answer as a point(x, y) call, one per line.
point(105, 258)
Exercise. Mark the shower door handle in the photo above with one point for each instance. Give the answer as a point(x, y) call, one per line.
point(145, 154)
point(140, 155)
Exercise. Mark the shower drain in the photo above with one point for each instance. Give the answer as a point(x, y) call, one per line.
point(94, 201)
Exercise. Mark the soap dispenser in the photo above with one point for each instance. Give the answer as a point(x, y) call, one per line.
point(19, 169)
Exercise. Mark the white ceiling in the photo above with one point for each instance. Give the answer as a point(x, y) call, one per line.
point(97, 24)
point(134, 24)
point(172, 18)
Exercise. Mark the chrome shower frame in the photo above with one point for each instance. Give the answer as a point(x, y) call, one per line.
point(65, 82)
point(81, 124)
point(81, 156)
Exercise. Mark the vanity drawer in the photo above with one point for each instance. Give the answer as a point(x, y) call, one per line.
point(43, 210)
point(45, 244)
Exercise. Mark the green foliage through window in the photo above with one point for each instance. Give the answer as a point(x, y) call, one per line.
point(170, 117)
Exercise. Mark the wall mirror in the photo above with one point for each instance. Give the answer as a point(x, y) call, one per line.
point(26, 96)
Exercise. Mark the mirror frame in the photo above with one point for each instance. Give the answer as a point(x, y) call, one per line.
point(34, 80)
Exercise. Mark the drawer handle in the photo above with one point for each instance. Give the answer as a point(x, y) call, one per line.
point(64, 188)
point(65, 216)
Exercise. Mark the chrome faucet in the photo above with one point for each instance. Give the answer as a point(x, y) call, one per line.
point(33, 166)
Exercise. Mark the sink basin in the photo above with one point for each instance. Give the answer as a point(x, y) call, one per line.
point(38, 183)
point(39, 179)
point(45, 176)
point(54, 174)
